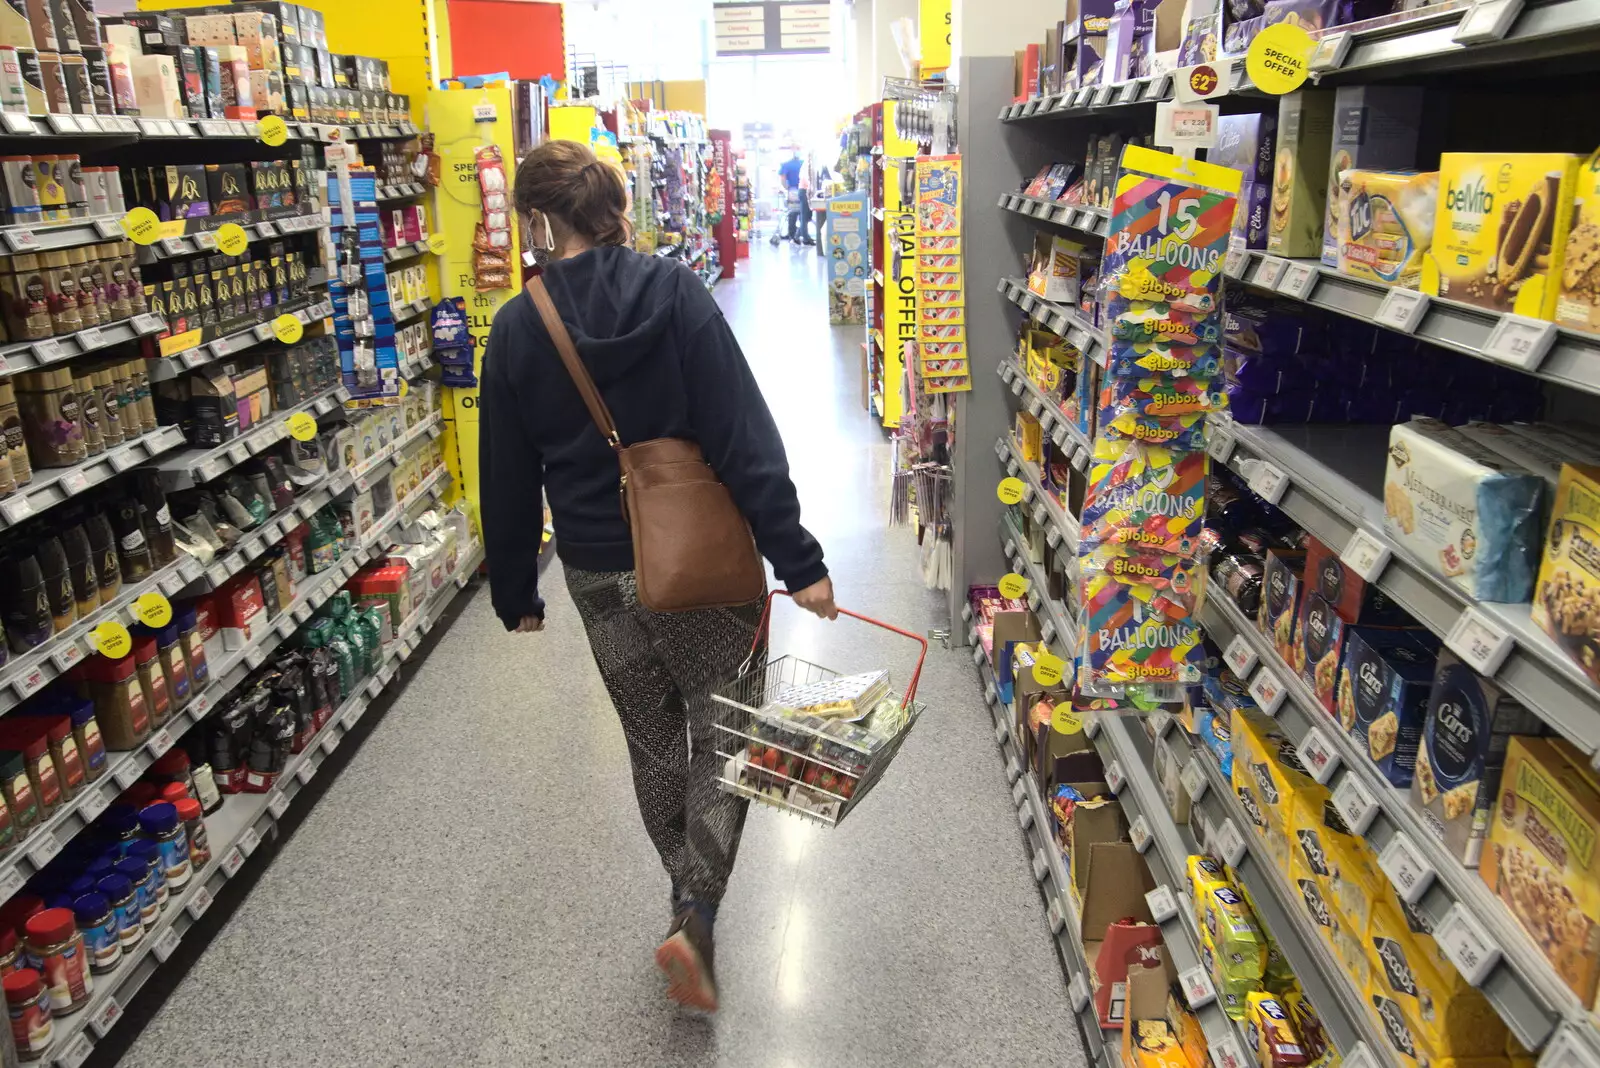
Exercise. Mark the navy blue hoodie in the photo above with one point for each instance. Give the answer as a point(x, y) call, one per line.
point(668, 365)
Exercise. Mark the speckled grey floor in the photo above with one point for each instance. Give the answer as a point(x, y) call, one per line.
point(476, 887)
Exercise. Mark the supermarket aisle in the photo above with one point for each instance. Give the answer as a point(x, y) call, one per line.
point(476, 888)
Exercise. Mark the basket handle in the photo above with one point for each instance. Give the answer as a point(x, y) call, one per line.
point(762, 629)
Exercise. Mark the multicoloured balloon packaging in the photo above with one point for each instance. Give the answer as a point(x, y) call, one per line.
point(1139, 547)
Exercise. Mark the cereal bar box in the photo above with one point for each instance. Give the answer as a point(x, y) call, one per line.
point(1578, 306)
point(1566, 600)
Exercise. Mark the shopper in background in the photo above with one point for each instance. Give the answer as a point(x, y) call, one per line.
point(795, 185)
point(667, 365)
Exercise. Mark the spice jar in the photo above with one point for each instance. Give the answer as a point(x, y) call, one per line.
point(27, 299)
point(152, 680)
point(119, 701)
point(51, 421)
point(86, 732)
point(110, 410)
point(24, 735)
point(63, 752)
point(28, 1004)
point(94, 442)
point(11, 958)
point(174, 792)
point(143, 878)
point(173, 769)
point(123, 896)
point(16, 447)
point(88, 307)
point(17, 788)
point(174, 665)
point(54, 940)
point(194, 828)
point(98, 923)
point(205, 789)
point(164, 829)
point(61, 292)
point(148, 854)
point(141, 394)
point(120, 285)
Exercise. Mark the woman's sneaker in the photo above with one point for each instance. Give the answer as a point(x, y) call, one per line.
point(686, 958)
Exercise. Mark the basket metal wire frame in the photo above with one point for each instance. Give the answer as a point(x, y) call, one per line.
point(810, 774)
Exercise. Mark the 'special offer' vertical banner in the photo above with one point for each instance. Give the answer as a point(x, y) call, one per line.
point(457, 210)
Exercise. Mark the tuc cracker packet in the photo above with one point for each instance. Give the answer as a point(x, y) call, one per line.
point(1542, 859)
point(1385, 224)
point(1578, 306)
point(1500, 232)
point(1169, 228)
point(1462, 509)
point(1568, 591)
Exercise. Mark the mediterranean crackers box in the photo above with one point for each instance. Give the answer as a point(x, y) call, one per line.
point(1578, 305)
point(1470, 514)
point(1542, 859)
point(1568, 591)
point(1500, 233)
point(1299, 173)
point(1375, 128)
point(1459, 758)
point(1383, 695)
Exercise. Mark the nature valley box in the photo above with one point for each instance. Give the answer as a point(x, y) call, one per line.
point(1566, 596)
point(1500, 231)
point(1579, 303)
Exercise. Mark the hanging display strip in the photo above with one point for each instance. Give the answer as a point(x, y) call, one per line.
point(942, 361)
point(1139, 553)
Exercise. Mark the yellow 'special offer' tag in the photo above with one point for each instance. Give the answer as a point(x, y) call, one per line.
point(274, 131)
point(112, 639)
point(302, 426)
point(287, 329)
point(1047, 669)
point(153, 610)
point(1280, 58)
point(1066, 719)
point(142, 226)
point(437, 243)
point(232, 240)
point(1012, 586)
point(1010, 490)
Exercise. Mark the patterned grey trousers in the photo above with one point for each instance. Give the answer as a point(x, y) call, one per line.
point(660, 669)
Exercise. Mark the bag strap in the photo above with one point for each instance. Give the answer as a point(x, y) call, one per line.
point(569, 356)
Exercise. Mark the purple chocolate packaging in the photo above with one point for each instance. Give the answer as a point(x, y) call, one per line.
point(1250, 217)
point(1119, 47)
point(1245, 143)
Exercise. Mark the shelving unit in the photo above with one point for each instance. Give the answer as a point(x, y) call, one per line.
point(57, 485)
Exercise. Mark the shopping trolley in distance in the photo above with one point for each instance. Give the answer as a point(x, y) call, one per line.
point(813, 765)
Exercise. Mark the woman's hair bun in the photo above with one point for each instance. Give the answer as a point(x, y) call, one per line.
point(568, 182)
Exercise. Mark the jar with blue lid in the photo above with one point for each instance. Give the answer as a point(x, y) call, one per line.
point(100, 926)
point(163, 828)
point(143, 878)
point(123, 896)
point(149, 854)
point(121, 823)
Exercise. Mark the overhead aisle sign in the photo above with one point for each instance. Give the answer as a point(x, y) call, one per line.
point(772, 27)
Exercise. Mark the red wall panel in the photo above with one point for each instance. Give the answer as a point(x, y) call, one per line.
point(488, 36)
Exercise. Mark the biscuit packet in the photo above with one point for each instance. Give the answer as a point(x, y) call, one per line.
point(1270, 1032)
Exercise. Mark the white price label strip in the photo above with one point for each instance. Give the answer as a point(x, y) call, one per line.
point(1233, 265)
point(1519, 341)
point(167, 944)
point(1355, 803)
point(248, 841)
point(1570, 1048)
point(277, 804)
point(105, 1017)
point(1057, 918)
point(330, 741)
point(159, 743)
point(1240, 657)
point(1298, 280)
point(1197, 987)
point(1365, 555)
point(128, 774)
point(1484, 645)
point(307, 770)
point(1163, 906)
point(1139, 832)
point(1078, 989)
point(78, 1050)
point(95, 802)
point(1115, 780)
point(1229, 842)
point(46, 846)
point(1268, 481)
point(1402, 310)
point(1219, 440)
point(1407, 869)
point(1193, 777)
point(10, 883)
point(1469, 947)
point(1318, 755)
point(1091, 725)
point(1268, 690)
point(232, 861)
point(1268, 271)
point(199, 903)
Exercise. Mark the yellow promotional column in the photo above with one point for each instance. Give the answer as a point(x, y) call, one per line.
point(458, 134)
point(899, 294)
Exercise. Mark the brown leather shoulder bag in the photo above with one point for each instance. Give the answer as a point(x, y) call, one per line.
point(691, 546)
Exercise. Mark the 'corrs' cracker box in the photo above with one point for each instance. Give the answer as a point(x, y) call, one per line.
point(1501, 230)
point(1566, 600)
point(1578, 306)
point(1542, 859)
point(1299, 173)
point(1383, 695)
point(1461, 754)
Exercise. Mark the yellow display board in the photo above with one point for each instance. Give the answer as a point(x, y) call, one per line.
point(457, 137)
point(933, 30)
point(573, 123)
point(899, 297)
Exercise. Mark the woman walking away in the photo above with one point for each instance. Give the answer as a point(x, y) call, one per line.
point(667, 365)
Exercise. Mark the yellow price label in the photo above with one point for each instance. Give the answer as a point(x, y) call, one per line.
point(405, 387)
point(1047, 669)
point(153, 610)
point(1066, 719)
point(1011, 490)
point(274, 131)
point(287, 329)
point(232, 240)
point(302, 426)
point(112, 639)
point(1012, 586)
point(437, 243)
point(142, 226)
point(1279, 59)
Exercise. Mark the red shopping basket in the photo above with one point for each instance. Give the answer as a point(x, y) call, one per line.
point(814, 767)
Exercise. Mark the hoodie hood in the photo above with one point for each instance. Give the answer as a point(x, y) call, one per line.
point(623, 301)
